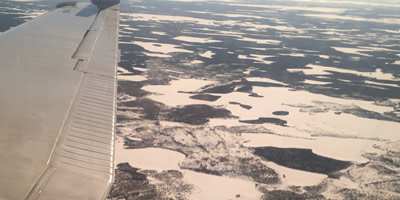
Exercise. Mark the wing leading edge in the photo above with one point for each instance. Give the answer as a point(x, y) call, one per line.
point(57, 110)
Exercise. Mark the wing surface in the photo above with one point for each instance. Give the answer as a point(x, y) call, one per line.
point(57, 104)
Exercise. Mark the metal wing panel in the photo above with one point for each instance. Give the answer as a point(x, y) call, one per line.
point(107, 40)
point(32, 110)
point(44, 100)
point(84, 153)
point(92, 115)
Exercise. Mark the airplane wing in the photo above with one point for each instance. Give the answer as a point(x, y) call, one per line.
point(58, 103)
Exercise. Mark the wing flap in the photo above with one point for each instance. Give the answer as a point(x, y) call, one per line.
point(73, 177)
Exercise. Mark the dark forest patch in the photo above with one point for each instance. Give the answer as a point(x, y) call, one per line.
point(302, 159)
point(248, 107)
point(281, 113)
point(132, 88)
point(205, 97)
point(263, 120)
point(196, 114)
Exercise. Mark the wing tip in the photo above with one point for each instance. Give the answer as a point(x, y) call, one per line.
point(67, 3)
point(105, 3)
